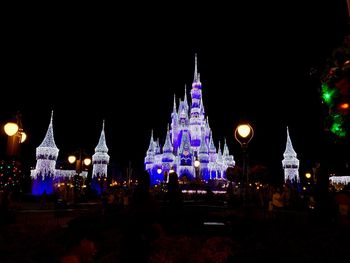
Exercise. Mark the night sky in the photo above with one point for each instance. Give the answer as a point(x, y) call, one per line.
point(125, 67)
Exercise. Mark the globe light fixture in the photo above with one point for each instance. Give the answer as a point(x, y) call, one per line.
point(87, 161)
point(78, 179)
point(11, 128)
point(23, 136)
point(243, 134)
point(196, 163)
point(196, 167)
point(72, 159)
point(16, 136)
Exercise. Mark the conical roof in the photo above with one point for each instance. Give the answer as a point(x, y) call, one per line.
point(289, 151)
point(49, 141)
point(102, 146)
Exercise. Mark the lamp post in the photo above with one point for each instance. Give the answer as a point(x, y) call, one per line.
point(79, 163)
point(196, 167)
point(16, 136)
point(243, 134)
point(11, 168)
point(308, 180)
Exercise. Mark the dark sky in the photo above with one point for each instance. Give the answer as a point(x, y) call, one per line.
point(124, 65)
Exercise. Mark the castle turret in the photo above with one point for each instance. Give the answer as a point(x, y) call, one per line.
point(196, 118)
point(220, 166)
point(185, 99)
point(203, 157)
point(212, 167)
point(157, 154)
point(168, 159)
point(45, 169)
point(186, 156)
point(290, 162)
point(149, 159)
point(228, 159)
point(100, 161)
point(174, 126)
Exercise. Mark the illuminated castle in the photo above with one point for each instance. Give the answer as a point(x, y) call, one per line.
point(290, 162)
point(188, 139)
point(45, 176)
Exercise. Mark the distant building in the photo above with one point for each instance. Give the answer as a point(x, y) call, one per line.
point(290, 162)
point(46, 178)
point(188, 139)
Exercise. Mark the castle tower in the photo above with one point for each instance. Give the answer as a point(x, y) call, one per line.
point(189, 139)
point(100, 160)
point(196, 115)
point(45, 169)
point(149, 159)
point(168, 159)
point(185, 166)
point(174, 126)
point(203, 157)
point(290, 162)
point(228, 159)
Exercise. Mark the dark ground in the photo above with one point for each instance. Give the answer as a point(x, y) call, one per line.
point(155, 232)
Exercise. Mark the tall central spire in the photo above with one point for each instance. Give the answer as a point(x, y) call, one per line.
point(195, 76)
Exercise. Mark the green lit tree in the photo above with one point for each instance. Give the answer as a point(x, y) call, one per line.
point(335, 90)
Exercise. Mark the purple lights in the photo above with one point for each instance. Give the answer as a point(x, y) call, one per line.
point(189, 139)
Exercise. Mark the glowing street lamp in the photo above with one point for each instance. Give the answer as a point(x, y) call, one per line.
point(308, 175)
point(11, 128)
point(15, 134)
point(243, 134)
point(78, 168)
point(79, 162)
point(196, 166)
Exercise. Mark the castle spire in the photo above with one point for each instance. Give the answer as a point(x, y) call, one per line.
point(195, 75)
point(49, 141)
point(151, 143)
point(174, 107)
point(290, 162)
point(203, 148)
point(100, 159)
point(226, 151)
point(202, 108)
point(167, 148)
point(102, 146)
point(185, 98)
point(289, 151)
point(45, 169)
point(219, 149)
point(212, 148)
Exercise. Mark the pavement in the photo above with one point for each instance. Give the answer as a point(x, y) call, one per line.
point(193, 232)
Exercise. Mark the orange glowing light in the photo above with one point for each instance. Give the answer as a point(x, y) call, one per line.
point(344, 106)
